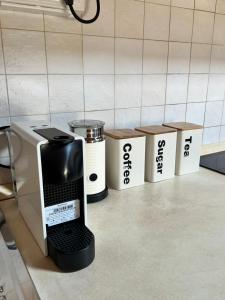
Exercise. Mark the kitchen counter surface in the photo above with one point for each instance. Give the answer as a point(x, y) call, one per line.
point(161, 241)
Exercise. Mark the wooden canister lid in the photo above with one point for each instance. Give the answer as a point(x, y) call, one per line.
point(182, 126)
point(120, 134)
point(155, 129)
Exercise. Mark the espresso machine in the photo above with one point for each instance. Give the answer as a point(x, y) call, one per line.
point(49, 169)
point(92, 131)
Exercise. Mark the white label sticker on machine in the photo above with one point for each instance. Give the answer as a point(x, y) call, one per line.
point(63, 212)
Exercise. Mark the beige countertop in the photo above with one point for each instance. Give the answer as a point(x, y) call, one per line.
point(161, 241)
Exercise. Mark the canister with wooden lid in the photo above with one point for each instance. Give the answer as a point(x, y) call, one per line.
point(189, 141)
point(160, 152)
point(125, 158)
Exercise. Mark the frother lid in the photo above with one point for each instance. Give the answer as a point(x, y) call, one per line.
point(91, 130)
point(89, 124)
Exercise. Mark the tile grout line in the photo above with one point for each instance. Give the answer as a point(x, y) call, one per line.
point(223, 105)
point(114, 38)
point(46, 61)
point(210, 62)
point(142, 67)
point(92, 74)
point(182, 7)
point(167, 67)
point(190, 55)
point(121, 108)
point(119, 37)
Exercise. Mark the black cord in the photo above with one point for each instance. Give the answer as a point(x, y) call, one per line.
point(82, 20)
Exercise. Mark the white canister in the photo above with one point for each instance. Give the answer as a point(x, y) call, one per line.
point(125, 158)
point(92, 131)
point(189, 141)
point(160, 152)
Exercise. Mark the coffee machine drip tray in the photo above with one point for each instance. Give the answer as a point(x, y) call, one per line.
point(214, 162)
point(71, 245)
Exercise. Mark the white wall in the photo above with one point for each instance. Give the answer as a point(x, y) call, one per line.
point(142, 62)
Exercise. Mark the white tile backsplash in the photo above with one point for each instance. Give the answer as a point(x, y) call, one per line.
point(21, 20)
point(213, 113)
point(223, 116)
point(175, 113)
point(61, 24)
point(211, 135)
point(126, 12)
point(203, 27)
point(99, 92)
point(220, 6)
point(166, 2)
point(37, 120)
point(64, 53)
point(200, 58)
point(216, 88)
point(28, 94)
point(128, 91)
point(222, 134)
point(197, 89)
point(4, 121)
point(181, 24)
point(66, 93)
point(207, 5)
point(62, 119)
point(183, 3)
point(154, 90)
point(24, 52)
point(127, 118)
point(195, 113)
point(217, 59)
point(219, 30)
point(128, 56)
point(157, 19)
point(155, 57)
point(141, 62)
point(176, 89)
point(2, 66)
point(106, 116)
point(179, 57)
point(152, 115)
point(98, 55)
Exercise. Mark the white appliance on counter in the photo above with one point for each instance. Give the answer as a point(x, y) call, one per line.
point(92, 131)
point(49, 169)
